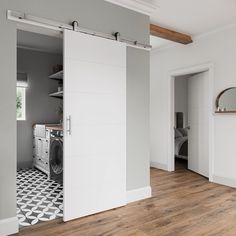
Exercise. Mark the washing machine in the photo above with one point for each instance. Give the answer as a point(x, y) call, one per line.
point(56, 156)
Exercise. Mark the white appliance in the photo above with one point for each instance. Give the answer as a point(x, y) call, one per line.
point(56, 155)
point(48, 150)
point(41, 142)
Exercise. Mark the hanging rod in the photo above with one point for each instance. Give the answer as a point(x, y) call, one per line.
point(58, 26)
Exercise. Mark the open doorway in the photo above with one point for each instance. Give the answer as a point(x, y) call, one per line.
point(192, 120)
point(39, 128)
point(181, 121)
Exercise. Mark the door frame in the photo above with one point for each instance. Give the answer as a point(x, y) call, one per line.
point(207, 67)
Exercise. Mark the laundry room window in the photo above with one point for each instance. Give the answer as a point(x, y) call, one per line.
point(22, 84)
point(20, 103)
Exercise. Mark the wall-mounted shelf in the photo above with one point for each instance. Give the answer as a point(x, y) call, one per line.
point(57, 94)
point(225, 101)
point(225, 112)
point(57, 76)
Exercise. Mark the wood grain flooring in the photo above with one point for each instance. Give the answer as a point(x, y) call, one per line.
point(183, 203)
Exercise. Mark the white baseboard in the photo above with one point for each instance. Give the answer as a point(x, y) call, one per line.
point(9, 226)
point(224, 181)
point(139, 194)
point(159, 165)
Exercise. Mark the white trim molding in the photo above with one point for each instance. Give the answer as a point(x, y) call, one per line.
point(159, 165)
point(141, 6)
point(138, 194)
point(224, 181)
point(9, 226)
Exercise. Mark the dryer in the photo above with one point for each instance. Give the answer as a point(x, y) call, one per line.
point(56, 156)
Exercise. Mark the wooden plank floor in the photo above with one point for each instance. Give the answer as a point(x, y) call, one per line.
point(183, 203)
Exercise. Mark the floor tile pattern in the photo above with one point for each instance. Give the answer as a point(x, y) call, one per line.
point(38, 198)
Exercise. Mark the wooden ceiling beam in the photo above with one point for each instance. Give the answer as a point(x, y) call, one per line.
point(171, 35)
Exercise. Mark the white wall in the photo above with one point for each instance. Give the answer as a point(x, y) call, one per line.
point(181, 97)
point(218, 48)
point(40, 108)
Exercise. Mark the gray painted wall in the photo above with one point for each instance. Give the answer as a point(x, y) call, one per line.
point(40, 108)
point(138, 163)
point(100, 16)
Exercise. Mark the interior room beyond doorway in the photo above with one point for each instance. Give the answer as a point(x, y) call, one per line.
point(39, 128)
point(191, 122)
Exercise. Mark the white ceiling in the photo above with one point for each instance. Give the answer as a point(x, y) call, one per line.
point(159, 42)
point(39, 42)
point(194, 17)
point(143, 6)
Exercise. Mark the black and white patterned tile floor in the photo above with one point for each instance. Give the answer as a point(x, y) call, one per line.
point(38, 198)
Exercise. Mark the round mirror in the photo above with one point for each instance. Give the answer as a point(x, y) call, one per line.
point(226, 101)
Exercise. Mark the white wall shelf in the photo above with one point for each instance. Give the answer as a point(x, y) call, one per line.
point(57, 76)
point(57, 94)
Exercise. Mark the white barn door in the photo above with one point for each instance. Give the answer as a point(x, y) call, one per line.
point(94, 124)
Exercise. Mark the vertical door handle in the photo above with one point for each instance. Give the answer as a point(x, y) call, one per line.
point(68, 125)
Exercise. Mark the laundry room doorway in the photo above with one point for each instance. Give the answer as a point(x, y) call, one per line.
point(86, 101)
point(39, 111)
